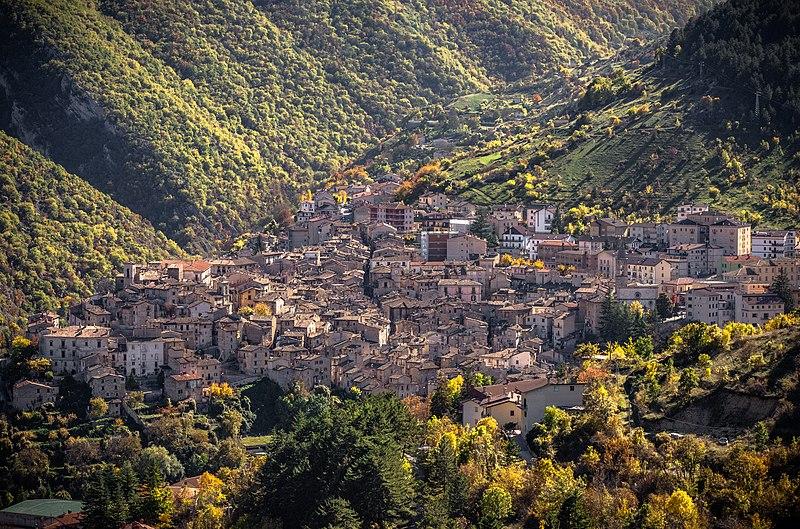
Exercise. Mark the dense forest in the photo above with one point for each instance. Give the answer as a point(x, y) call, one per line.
point(59, 236)
point(748, 46)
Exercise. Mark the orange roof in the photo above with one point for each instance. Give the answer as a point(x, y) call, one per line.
point(189, 265)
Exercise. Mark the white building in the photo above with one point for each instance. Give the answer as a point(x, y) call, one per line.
point(774, 244)
point(684, 210)
point(539, 217)
point(517, 242)
point(142, 358)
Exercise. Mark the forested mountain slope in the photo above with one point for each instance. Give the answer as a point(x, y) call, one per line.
point(636, 134)
point(748, 46)
point(59, 236)
point(203, 116)
point(732, 378)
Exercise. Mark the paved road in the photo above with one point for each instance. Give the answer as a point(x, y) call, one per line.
point(524, 451)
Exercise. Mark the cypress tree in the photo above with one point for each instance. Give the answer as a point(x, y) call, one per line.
point(783, 289)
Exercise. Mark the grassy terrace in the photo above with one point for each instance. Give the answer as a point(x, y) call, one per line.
point(644, 151)
point(256, 440)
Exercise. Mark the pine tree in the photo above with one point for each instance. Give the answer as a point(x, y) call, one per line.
point(557, 224)
point(608, 324)
point(783, 289)
point(379, 483)
point(96, 500)
point(443, 478)
point(336, 513)
point(480, 227)
point(664, 307)
point(573, 514)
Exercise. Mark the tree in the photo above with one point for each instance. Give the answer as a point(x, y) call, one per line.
point(495, 507)
point(608, 324)
point(209, 503)
point(443, 478)
point(619, 321)
point(573, 513)
point(17, 366)
point(665, 308)
point(688, 380)
point(336, 513)
point(480, 227)
point(681, 511)
point(156, 460)
point(108, 496)
point(705, 363)
point(73, 396)
point(446, 397)
point(782, 287)
point(601, 405)
point(98, 407)
point(231, 423)
point(378, 483)
point(435, 513)
point(690, 341)
point(154, 501)
point(221, 391)
point(330, 448)
point(131, 383)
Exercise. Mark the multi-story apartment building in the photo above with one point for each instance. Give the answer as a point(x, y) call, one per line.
point(774, 244)
point(66, 346)
point(702, 259)
point(395, 214)
point(465, 248)
point(765, 271)
point(516, 241)
point(645, 232)
point(539, 217)
point(197, 332)
point(757, 308)
point(433, 244)
point(106, 383)
point(713, 228)
point(711, 304)
point(464, 289)
point(648, 270)
point(732, 236)
point(141, 358)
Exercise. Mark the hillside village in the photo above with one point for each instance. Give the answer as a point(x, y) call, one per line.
point(362, 291)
